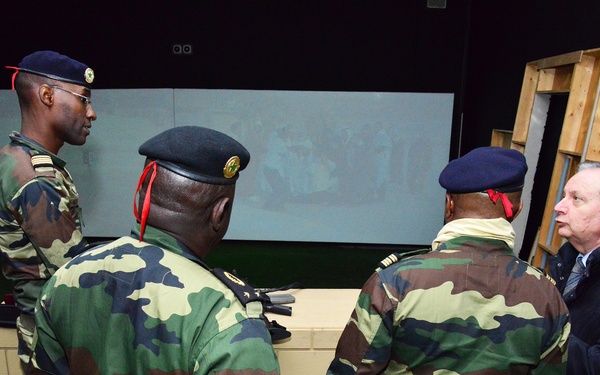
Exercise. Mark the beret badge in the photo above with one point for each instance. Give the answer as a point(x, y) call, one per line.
point(89, 75)
point(231, 167)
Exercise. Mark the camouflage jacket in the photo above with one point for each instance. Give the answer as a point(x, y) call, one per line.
point(151, 307)
point(469, 307)
point(40, 229)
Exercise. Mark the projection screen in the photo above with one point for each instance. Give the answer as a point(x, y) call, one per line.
point(343, 167)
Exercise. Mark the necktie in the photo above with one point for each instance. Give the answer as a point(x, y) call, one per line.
point(574, 277)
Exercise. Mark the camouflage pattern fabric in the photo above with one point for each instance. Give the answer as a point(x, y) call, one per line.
point(469, 307)
point(40, 229)
point(151, 307)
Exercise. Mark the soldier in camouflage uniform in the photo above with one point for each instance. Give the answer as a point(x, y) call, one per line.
point(146, 303)
point(40, 228)
point(468, 305)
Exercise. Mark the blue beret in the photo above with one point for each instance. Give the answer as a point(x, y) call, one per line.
point(59, 67)
point(495, 168)
point(198, 153)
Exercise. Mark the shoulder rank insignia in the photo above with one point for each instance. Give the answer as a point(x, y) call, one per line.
point(543, 271)
point(244, 292)
point(247, 295)
point(395, 257)
point(42, 163)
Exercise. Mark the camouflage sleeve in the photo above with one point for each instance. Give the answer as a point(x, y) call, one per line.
point(45, 234)
point(48, 212)
point(554, 359)
point(243, 349)
point(365, 343)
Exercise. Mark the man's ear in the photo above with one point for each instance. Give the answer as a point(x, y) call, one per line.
point(448, 208)
point(220, 213)
point(46, 95)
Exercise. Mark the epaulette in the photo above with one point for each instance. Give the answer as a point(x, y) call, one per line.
point(244, 292)
point(254, 301)
point(543, 271)
point(42, 164)
point(395, 257)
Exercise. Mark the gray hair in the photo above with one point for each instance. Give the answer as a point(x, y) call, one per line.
point(588, 165)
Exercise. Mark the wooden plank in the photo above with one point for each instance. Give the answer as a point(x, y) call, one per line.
point(552, 250)
point(528, 89)
point(592, 52)
point(553, 193)
point(543, 251)
point(556, 80)
point(593, 151)
point(581, 99)
point(546, 80)
point(536, 261)
point(560, 60)
point(518, 147)
point(501, 138)
point(578, 74)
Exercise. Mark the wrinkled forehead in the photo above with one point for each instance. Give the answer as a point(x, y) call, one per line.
point(585, 182)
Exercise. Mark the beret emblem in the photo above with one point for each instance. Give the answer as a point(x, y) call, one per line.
point(89, 75)
point(231, 167)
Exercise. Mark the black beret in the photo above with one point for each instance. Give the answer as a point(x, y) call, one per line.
point(198, 153)
point(59, 67)
point(495, 168)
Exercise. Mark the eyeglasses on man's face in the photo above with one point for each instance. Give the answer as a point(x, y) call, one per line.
point(84, 99)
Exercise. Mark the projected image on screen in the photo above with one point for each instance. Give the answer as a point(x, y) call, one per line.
point(332, 166)
point(344, 167)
